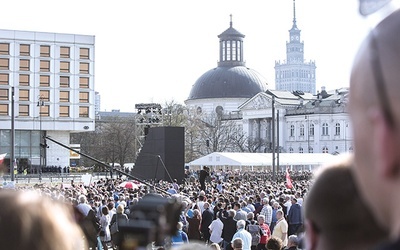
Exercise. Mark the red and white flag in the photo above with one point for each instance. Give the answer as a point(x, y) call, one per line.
point(289, 183)
point(2, 157)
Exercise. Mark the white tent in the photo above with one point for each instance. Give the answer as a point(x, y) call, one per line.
point(262, 160)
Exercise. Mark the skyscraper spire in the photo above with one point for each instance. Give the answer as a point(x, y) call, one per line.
point(294, 14)
point(230, 23)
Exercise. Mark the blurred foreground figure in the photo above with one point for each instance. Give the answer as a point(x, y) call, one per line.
point(32, 222)
point(375, 116)
point(336, 217)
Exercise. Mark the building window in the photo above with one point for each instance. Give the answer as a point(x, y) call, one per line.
point(84, 68)
point(23, 80)
point(4, 63)
point(44, 81)
point(24, 49)
point(337, 129)
point(83, 97)
point(84, 82)
point(3, 79)
point(64, 67)
point(325, 149)
point(301, 150)
point(291, 130)
point(4, 48)
point(64, 111)
point(3, 94)
point(44, 66)
point(45, 95)
point(325, 128)
point(64, 52)
point(24, 64)
point(310, 150)
point(311, 129)
point(44, 50)
point(301, 130)
point(23, 110)
point(83, 111)
point(64, 96)
point(64, 81)
point(44, 110)
point(3, 109)
point(84, 53)
point(24, 94)
point(290, 150)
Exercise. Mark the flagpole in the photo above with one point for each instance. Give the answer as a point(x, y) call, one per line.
point(12, 157)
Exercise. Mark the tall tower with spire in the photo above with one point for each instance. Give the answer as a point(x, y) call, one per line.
point(294, 73)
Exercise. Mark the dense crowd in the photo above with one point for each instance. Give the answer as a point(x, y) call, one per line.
point(229, 203)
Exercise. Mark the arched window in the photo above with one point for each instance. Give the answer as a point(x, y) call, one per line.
point(310, 150)
point(291, 130)
point(311, 129)
point(325, 149)
point(337, 129)
point(325, 128)
point(301, 150)
point(290, 150)
point(301, 130)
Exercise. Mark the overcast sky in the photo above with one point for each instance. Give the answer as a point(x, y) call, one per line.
point(155, 50)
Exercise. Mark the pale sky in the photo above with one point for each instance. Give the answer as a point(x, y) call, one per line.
point(155, 50)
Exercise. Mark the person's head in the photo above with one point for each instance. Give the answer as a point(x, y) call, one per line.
point(335, 215)
point(261, 219)
point(179, 226)
point(293, 241)
point(250, 216)
point(374, 98)
point(231, 213)
point(274, 244)
point(240, 224)
point(120, 208)
point(279, 214)
point(104, 210)
point(34, 222)
point(82, 199)
point(215, 246)
point(237, 243)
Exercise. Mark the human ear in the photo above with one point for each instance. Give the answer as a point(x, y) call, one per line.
point(386, 141)
point(311, 235)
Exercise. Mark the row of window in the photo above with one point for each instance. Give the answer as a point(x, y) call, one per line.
point(44, 80)
point(25, 50)
point(44, 95)
point(325, 129)
point(64, 111)
point(311, 150)
point(24, 65)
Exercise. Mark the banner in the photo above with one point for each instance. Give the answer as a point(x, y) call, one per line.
point(2, 157)
point(289, 183)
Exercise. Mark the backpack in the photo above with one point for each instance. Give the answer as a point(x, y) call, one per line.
point(254, 230)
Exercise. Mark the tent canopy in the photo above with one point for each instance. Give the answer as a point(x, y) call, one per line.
point(262, 159)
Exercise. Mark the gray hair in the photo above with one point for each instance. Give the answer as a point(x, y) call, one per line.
point(293, 239)
point(240, 224)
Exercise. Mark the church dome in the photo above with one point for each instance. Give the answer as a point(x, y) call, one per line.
point(228, 82)
point(231, 79)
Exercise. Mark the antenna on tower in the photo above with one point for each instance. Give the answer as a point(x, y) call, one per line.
point(294, 13)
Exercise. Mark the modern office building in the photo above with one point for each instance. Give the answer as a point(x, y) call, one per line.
point(52, 76)
point(294, 73)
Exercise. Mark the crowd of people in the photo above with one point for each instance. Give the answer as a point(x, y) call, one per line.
point(349, 205)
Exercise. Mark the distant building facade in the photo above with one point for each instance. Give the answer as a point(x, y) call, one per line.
point(52, 75)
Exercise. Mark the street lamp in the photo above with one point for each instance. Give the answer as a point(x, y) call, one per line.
point(42, 144)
